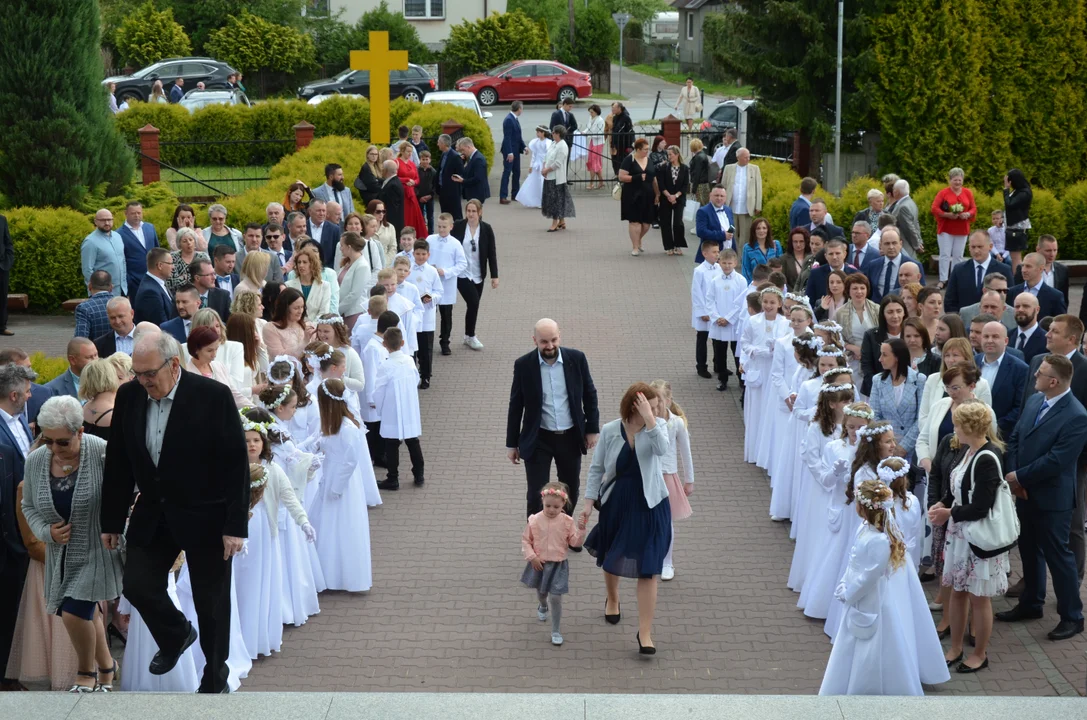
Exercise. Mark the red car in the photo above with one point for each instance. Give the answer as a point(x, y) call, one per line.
point(528, 80)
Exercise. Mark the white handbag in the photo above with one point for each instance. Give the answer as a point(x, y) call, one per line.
point(998, 531)
point(690, 210)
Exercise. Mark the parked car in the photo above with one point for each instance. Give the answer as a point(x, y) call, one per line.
point(528, 80)
point(461, 99)
point(753, 132)
point(411, 84)
point(137, 86)
point(200, 98)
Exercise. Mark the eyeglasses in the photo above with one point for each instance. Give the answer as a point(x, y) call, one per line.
point(50, 442)
point(273, 237)
point(210, 274)
point(952, 388)
point(149, 374)
point(1039, 373)
point(473, 245)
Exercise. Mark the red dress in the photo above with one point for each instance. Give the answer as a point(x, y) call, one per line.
point(413, 214)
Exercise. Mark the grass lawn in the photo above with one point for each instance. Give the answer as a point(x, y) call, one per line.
point(608, 96)
point(663, 70)
point(231, 180)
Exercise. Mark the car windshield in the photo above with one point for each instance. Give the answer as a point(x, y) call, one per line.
point(725, 114)
point(343, 75)
point(499, 70)
point(459, 102)
point(147, 70)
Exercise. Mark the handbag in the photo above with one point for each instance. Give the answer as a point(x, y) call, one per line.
point(689, 210)
point(605, 491)
point(998, 531)
point(617, 192)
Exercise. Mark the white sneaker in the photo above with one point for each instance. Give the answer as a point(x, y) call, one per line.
point(668, 572)
point(466, 339)
point(556, 638)
point(474, 343)
point(775, 518)
point(541, 613)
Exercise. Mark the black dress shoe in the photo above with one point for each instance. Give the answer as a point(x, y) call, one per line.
point(722, 386)
point(446, 351)
point(705, 374)
point(419, 481)
point(613, 619)
point(644, 649)
point(1066, 629)
point(163, 663)
point(1018, 613)
point(965, 669)
point(958, 658)
point(945, 633)
point(424, 384)
point(387, 484)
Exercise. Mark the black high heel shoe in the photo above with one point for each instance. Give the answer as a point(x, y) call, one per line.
point(644, 649)
point(613, 619)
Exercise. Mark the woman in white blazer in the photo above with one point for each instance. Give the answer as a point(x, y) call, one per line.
point(356, 277)
point(961, 382)
point(308, 280)
point(634, 530)
point(956, 352)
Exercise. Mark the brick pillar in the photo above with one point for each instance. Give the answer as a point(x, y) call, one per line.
point(303, 135)
point(149, 159)
point(670, 129)
point(453, 129)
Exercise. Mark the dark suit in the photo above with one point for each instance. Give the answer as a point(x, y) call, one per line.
point(475, 185)
point(1033, 346)
point(537, 447)
point(567, 120)
point(873, 338)
point(106, 343)
point(219, 301)
point(875, 271)
point(488, 259)
point(13, 556)
point(1007, 389)
point(136, 253)
point(38, 395)
point(188, 501)
point(153, 304)
point(512, 144)
point(1060, 278)
point(1050, 302)
point(830, 230)
point(817, 282)
point(392, 195)
point(1043, 456)
point(962, 286)
point(7, 259)
point(176, 328)
point(330, 240)
point(708, 227)
point(799, 213)
point(449, 198)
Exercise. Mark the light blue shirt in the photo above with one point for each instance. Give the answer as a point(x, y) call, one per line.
point(124, 343)
point(989, 370)
point(100, 251)
point(1037, 288)
point(555, 413)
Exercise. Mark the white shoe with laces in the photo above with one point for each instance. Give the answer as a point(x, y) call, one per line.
point(668, 572)
point(556, 638)
point(474, 343)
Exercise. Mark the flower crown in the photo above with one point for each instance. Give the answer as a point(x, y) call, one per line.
point(812, 342)
point(802, 299)
point(319, 358)
point(557, 492)
point(888, 475)
point(833, 351)
point(885, 505)
point(334, 320)
point(827, 388)
point(326, 391)
point(250, 425)
point(261, 481)
point(283, 394)
point(834, 372)
point(829, 326)
point(773, 290)
point(870, 432)
point(862, 414)
point(290, 360)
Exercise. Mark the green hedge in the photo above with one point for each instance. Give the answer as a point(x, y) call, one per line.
point(47, 264)
point(430, 118)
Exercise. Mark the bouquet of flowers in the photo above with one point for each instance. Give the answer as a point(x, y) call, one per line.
point(957, 208)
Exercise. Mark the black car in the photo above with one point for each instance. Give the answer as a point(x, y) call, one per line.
point(137, 86)
point(411, 84)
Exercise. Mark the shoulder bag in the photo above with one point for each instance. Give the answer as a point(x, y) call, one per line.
point(997, 532)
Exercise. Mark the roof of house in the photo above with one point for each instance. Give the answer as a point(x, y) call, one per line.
point(690, 4)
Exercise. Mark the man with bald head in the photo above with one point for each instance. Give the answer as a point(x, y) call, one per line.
point(999, 283)
point(1006, 374)
point(1028, 336)
point(553, 413)
point(80, 353)
point(1050, 301)
point(122, 329)
point(909, 273)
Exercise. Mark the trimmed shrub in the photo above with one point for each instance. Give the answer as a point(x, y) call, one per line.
point(1074, 207)
point(479, 45)
point(148, 35)
point(47, 264)
point(342, 115)
point(250, 43)
point(47, 368)
point(430, 118)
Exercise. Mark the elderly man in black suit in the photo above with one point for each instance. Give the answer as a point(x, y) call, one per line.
point(553, 413)
point(192, 502)
point(449, 195)
point(474, 185)
point(392, 195)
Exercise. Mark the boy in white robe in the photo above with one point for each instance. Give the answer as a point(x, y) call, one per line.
point(704, 274)
point(407, 289)
point(425, 277)
point(400, 305)
point(447, 257)
point(397, 398)
point(723, 296)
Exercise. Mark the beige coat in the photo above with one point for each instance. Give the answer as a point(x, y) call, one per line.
point(754, 185)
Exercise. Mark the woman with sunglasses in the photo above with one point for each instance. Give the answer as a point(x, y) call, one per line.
point(61, 501)
point(386, 232)
point(477, 237)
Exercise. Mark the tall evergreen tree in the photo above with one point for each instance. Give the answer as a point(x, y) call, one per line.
point(59, 139)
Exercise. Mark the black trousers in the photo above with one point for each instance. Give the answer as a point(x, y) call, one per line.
point(700, 350)
point(5, 277)
point(12, 578)
point(1076, 537)
point(720, 358)
point(565, 449)
point(145, 587)
point(392, 457)
point(1043, 542)
point(472, 294)
point(670, 218)
point(375, 443)
point(425, 353)
point(445, 324)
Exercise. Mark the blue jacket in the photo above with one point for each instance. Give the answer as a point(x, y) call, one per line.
point(153, 304)
point(475, 185)
point(512, 142)
point(1044, 456)
point(753, 255)
point(875, 267)
point(962, 288)
point(176, 328)
point(902, 415)
point(136, 253)
point(708, 227)
point(38, 395)
point(800, 213)
point(1050, 302)
point(817, 282)
point(1035, 345)
point(62, 385)
point(1007, 389)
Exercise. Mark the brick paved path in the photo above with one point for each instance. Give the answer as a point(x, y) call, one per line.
point(447, 611)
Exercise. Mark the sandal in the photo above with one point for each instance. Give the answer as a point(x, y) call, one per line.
point(78, 689)
point(112, 672)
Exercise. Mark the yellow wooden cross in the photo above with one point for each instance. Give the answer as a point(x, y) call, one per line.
point(379, 60)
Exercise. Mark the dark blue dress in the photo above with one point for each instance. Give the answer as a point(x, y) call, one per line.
point(630, 538)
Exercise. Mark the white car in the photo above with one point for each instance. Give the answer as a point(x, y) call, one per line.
point(462, 99)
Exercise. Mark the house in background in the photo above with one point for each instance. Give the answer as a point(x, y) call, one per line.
point(431, 18)
point(691, 15)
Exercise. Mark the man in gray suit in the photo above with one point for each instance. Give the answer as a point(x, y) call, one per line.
point(253, 236)
point(995, 286)
point(905, 213)
point(334, 189)
point(81, 351)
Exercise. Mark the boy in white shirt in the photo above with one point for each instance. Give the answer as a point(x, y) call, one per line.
point(373, 354)
point(366, 324)
point(397, 398)
point(407, 242)
point(426, 279)
point(704, 273)
point(386, 279)
point(725, 294)
point(447, 257)
point(997, 234)
point(753, 301)
point(407, 289)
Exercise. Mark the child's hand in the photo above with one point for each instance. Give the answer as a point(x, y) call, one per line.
point(537, 564)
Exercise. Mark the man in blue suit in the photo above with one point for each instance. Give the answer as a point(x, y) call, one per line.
point(1005, 373)
point(139, 237)
point(817, 281)
point(187, 302)
point(1050, 301)
point(799, 215)
point(81, 352)
point(513, 147)
point(882, 271)
point(964, 286)
point(1041, 456)
point(153, 302)
point(1028, 336)
point(325, 234)
point(473, 184)
point(861, 250)
point(714, 222)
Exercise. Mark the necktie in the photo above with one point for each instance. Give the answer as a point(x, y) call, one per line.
point(338, 197)
point(887, 277)
point(203, 301)
point(979, 278)
point(1022, 341)
point(1042, 409)
point(857, 258)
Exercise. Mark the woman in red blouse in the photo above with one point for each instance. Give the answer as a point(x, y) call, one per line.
point(954, 210)
point(409, 178)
